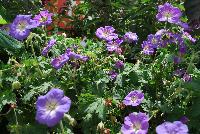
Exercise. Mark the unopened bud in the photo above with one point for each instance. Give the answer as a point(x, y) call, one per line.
point(100, 126)
point(16, 85)
point(71, 120)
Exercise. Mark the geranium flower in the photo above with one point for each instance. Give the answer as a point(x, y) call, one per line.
point(168, 13)
point(187, 77)
point(50, 44)
point(189, 37)
point(112, 74)
point(43, 18)
point(51, 107)
point(20, 28)
point(73, 55)
point(59, 62)
point(130, 37)
point(114, 45)
point(154, 40)
point(119, 64)
point(184, 119)
point(135, 123)
point(134, 98)
point(177, 127)
point(106, 33)
point(148, 49)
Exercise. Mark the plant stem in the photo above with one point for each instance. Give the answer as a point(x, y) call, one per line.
point(16, 120)
point(62, 128)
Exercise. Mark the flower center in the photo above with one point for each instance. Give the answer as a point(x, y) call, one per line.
point(168, 14)
point(146, 47)
point(22, 25)
point(51, 105)
point(154, 41)
point(136, 126)
point(134, 99)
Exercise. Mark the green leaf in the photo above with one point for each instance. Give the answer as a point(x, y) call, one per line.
point(9, 43)
point(2, 21)
point(7, 97)
point(195, 108)
point(97, 107)
point(193, 85)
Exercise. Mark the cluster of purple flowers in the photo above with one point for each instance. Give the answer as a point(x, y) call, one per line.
point(177, 127)
point(118, 65)
point(113, 41)
point(164, 37)
point(183, 74)
point(22, 24)
point(43, 18)
point(52, 107)
point(135, 123)
point(58, 62)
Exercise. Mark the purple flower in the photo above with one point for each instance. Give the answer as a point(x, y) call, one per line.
point(58, 62)
point(184, 119)
point(6, 28)
point(161, 32)
point(178, 39)
point(51, 107)
point(43, 18)
point(112, 74)
point(182, 49)
point(179, 72)
point(114, 45)
point(147, 48)
point(106, 33)
point(176, 127)
point(168, 13)
point(20, 28)
point(134, 98)
point(188, 36)
point(119, 64)
point(185, 26)
point(135, 123)
point(130, 37)
point(177, 59)
point(154, 40)
point(81, 57)
point(187, 77)
point(73, 55)
point(50, 44)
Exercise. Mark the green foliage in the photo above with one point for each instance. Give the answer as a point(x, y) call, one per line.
point(8, 43)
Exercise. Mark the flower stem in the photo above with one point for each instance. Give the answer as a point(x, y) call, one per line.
point(16, 120)
point(62, 128)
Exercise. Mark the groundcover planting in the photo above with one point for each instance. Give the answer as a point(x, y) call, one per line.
point(99, 67)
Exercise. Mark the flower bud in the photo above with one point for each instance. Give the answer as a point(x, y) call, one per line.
point(16, 85)
point(100, 126)
point(71, 120)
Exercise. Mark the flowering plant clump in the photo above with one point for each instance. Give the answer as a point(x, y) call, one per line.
point(136, 70)
point(43, 18)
